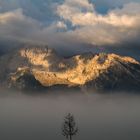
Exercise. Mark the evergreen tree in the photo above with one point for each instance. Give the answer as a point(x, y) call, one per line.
point(69, 128)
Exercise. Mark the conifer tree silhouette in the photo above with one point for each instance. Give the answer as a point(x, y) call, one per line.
point(69, 128)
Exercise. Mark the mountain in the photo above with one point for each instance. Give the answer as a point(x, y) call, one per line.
point(38, 66)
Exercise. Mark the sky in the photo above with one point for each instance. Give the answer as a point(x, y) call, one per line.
point(72, 25)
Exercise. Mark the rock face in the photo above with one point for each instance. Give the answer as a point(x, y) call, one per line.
point(35, 66)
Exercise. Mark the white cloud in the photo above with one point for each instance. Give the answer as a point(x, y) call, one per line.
point(117, 26)
point(61, 25)
point(84, 14)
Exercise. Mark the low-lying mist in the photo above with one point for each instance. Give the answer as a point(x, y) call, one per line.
point(40, 116)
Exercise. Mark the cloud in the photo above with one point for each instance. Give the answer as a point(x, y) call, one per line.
point(77, 26)
point(15, 26)
point(117, 26)
point(42, 10)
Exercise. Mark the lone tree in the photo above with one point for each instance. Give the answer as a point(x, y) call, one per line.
point(69, 128)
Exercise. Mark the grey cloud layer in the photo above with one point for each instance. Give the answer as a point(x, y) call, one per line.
point(14, 25)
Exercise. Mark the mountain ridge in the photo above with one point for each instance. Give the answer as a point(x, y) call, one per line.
point(46, 68)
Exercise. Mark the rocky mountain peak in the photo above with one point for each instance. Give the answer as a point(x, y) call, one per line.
point(44, 65)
